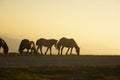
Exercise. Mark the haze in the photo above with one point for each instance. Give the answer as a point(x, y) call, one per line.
point(94, 24)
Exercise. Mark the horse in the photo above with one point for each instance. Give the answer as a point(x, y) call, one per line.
point(69, 43)
point(4, 45)
point(46, 43)
point(26, 44)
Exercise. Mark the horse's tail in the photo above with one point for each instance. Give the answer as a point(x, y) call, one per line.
point(5, 47)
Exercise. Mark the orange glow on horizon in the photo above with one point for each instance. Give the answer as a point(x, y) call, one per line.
point(93, 24)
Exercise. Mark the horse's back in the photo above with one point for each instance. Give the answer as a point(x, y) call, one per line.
point(42, 40)
point(66, 42)
point(25, 40)
point(46, 42)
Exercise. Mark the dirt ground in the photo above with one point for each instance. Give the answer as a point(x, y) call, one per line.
point(38, 60)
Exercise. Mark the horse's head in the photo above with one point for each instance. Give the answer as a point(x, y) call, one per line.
point(37, 42)
point(77, 50)
point(4, 46)
point(20, 49)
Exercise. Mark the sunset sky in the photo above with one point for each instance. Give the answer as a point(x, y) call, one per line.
point(94, 24)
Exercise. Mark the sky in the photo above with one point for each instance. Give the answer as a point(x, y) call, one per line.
point(94, 24)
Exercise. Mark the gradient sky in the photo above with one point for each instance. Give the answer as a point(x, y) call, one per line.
point(94, 24)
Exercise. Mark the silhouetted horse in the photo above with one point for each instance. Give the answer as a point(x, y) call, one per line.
point(26, 44)
point(4, 46)
point(69, 43)
point(46, 43)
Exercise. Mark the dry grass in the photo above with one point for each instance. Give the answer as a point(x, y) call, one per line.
point(61, 72)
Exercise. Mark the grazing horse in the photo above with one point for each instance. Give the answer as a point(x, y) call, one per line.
point(69, 43)
point(26, 44)
point(46, 43)
point(4, 45)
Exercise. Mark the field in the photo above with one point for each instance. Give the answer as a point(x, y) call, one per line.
point(37, 67)
point(61, 73)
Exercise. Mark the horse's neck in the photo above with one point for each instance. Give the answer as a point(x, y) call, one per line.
point(4, 45)
point(76, 46)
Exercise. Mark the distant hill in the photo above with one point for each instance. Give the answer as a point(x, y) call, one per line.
point(13, 43)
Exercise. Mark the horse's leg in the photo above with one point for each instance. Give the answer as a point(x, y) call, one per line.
point(37, 48)
point(62, 50)
point(46, 50)
point(71, 51)
point(58, 51)
point(27, 51)
point(41, 50)
point(21, 50)
point(31, 50)
point(67, 51)
point(50, 50)
point(35, 51)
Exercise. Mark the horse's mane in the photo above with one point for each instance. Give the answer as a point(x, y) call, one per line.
point(74, 42)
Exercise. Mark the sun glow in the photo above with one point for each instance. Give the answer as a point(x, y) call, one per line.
point(93, 24)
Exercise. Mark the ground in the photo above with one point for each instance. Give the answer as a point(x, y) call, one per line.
point(37, 67)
